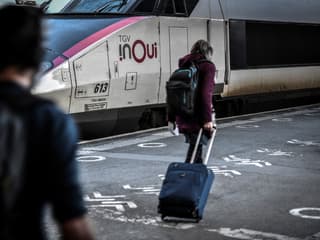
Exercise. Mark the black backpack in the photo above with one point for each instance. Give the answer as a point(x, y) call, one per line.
point(182, 90)
point(12, 159)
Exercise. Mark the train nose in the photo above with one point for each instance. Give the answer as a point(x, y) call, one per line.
point(68, 39)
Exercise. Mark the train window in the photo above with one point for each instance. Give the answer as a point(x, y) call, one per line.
point(176, 7)
point(238, 44)
point(169, 8)
point(180, 6)
point(282, 44)
point(145, 6)
point(262, 44)
point(191, 4)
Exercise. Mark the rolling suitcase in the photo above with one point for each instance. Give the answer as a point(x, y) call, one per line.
point(186, 187)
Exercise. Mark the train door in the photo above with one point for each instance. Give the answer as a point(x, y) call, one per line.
point(92, 80)
point(178, 45)
point(177, 35)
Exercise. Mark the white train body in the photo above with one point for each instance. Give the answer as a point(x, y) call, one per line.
point(125, 65)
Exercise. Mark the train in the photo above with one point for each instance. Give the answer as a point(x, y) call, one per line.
point(107, 62)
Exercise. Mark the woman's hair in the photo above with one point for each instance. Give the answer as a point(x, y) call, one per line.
point(21, 37)
point(202, 47)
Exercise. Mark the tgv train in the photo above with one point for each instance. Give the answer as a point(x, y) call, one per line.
point(107, 62)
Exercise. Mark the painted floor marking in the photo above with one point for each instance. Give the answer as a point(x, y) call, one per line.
point(217, 170)
point(163, 134)
point(248, 234)
point(145, 220)
point(90, 158)
point(221, 170)
point(248, 126)
point(273, 152)
point(282, 120)
point(142, 157)
point(152, 145)
point(100, 201)
point(83, 152)
point(127, 142)
point(298, 213)
point(161, 176)
point(99, 195)
point(246, 161)
point(303, 143)
point(148, 190)
point(241, 233)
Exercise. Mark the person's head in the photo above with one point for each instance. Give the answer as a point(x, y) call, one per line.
point(202, 47)
point(21, 41)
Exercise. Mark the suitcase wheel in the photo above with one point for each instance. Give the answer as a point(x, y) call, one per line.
point(163, 217)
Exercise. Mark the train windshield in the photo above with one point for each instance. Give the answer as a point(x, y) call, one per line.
point(96, 6)
point(158, 7)
point(76, 6)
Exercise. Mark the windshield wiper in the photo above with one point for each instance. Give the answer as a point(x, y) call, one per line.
point(110, 5)
point(123, 3)
point(22, 2)
point(56, 53)
point(45, 5)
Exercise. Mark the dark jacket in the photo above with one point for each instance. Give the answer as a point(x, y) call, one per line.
point(203, 102)
point(51, 171)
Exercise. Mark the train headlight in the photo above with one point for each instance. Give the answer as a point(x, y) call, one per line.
point(61, 73)
point(55, 79)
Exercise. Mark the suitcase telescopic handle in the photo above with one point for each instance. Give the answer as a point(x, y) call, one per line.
point(206, 159)
point(196, 146)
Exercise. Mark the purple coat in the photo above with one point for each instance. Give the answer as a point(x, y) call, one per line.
point(203, 102)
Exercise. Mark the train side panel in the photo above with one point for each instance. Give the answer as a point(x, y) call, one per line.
point(246, 82)
point(270, 57)
point(218, 40)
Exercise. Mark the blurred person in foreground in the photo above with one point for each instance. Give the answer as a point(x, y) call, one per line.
point(38, 167)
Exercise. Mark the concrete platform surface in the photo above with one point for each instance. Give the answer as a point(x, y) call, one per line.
point(267, 184)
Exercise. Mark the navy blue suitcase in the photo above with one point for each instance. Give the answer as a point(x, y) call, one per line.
point(186, 187)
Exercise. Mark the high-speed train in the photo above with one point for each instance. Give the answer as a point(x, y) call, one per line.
point(107, 62)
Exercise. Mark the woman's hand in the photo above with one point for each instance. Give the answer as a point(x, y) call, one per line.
point(208, 126)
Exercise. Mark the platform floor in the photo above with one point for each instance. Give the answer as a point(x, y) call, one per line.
point(267, 183)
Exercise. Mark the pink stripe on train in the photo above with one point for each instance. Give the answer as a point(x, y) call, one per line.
point(95, 37)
